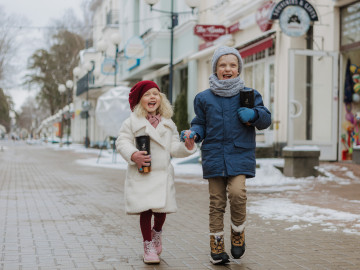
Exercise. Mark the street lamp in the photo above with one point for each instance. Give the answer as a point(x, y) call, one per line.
point(115, 39)
point(89, 66)
point(174, 22)
point(102, 47)
point(69, 85)
point(62, 90)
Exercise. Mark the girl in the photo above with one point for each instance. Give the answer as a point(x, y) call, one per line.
point(153, 193)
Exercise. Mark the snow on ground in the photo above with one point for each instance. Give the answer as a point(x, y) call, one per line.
point(332, 220)
point(268, 180)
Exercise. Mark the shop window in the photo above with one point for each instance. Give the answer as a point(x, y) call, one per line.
point(258, 73)
point(249, 59)
point(271, 50)
point(248, 76)
point(260, 55)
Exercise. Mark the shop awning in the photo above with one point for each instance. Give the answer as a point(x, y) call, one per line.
point(256, 47)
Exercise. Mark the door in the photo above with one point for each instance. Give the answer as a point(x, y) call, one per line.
point(313, 101)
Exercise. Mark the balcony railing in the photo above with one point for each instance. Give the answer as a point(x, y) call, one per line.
point(84, 83)
point(112, 17)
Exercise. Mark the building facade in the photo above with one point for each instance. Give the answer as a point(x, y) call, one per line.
point(295, 54)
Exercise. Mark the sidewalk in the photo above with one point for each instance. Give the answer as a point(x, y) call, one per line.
point(57, 214)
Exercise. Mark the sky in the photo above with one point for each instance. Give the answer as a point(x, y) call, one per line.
point(277, 195)
point(38, 13)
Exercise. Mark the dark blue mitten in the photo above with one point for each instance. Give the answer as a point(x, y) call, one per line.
point(187, 133)
point(246, 114)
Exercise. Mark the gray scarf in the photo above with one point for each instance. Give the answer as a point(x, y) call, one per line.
point(225, 88)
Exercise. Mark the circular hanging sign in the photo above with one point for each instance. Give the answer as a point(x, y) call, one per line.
point(294, 21)
point(135, 48)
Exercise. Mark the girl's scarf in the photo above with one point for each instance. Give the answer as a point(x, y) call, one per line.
point(154, 119)
point(225, 88)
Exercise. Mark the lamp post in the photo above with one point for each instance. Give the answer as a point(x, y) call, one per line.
point(102, 47)
point(62, 90)
point(174, 22)
point(69, 85)
point(115, 39)
point(89, 66)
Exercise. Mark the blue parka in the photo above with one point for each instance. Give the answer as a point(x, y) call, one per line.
point(228, 146)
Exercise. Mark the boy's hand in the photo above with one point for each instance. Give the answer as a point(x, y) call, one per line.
point(187, 134)
point(141, 158)
point(246, 115)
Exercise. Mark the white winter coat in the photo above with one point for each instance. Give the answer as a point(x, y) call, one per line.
point(154, 190)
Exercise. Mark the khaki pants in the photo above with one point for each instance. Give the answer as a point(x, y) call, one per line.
point(218, 189)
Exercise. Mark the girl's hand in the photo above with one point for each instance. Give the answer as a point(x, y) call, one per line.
point(141, 158)
point(189, 143)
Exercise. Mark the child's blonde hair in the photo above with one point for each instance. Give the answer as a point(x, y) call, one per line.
point(165, 109)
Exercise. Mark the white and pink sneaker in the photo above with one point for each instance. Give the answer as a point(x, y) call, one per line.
point(156, 239)
point(150, 254)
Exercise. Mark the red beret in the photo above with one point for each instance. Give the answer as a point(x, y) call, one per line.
point(138, 90)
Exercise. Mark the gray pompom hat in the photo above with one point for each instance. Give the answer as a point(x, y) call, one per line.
point(223, 50)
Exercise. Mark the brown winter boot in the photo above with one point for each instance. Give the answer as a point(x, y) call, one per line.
point(237, 241)
point(218, 254)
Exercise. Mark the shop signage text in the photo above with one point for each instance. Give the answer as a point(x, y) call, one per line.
point(350, 26)
point(263, 14)
point(233, 28)
point(209, 32)
point(278, 9)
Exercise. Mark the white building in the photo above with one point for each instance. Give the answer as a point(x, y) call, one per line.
point(297, 61)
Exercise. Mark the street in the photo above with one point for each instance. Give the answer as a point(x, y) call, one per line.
point(57, 214)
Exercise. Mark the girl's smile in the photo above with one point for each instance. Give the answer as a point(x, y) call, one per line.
point(151, 101)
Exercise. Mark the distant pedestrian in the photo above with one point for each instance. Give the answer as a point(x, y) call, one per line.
point(151, 193)
point(227, 133)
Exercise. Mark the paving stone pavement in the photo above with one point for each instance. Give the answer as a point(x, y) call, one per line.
point(56, 214)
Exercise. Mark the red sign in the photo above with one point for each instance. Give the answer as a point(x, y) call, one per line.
point(209, 32)
point(263, 16)
point(234, 28)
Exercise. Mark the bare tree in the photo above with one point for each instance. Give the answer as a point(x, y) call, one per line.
point(31, 115)
point(9, 30)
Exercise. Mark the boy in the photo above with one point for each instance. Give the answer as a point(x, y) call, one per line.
point(227, 132)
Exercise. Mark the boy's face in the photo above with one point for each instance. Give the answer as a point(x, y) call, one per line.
point(227, 67)
point(151, 100)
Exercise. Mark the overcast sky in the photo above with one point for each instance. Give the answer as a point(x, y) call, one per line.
point(38, 13)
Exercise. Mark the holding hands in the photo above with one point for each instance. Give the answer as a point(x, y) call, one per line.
point(246, 115)
point(188, 137)
point(141, 159)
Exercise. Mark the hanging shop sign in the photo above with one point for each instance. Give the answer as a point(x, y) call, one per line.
point(295, 16)
point(107, 66)
point(209, 32)
point(263, 14)
point(135, 48)
point(294, 21)
point(350, 26)
point(233, 28)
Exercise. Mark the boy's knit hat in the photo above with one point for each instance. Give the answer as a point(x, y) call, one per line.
point(138, 90)
point(225, 50)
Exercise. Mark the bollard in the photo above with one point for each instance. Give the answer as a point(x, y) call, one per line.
point(300, 161)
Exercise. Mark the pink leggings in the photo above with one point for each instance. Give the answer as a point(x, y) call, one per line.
point(145, 223)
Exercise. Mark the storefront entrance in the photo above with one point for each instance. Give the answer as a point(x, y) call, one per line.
point(313, 101)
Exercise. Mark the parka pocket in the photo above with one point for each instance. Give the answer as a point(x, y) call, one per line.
point(246, 145)
point(210, 146)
